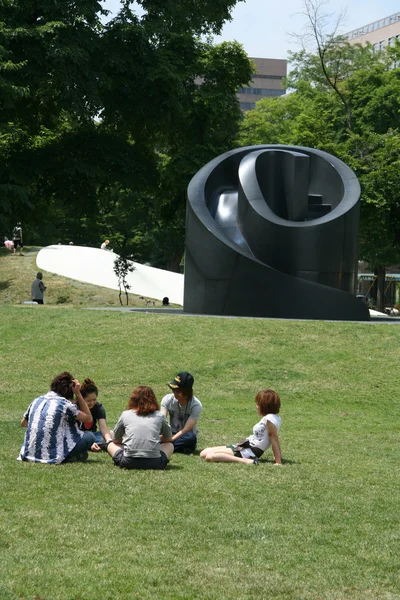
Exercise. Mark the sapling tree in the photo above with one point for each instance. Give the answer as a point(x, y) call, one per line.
point(122, 267)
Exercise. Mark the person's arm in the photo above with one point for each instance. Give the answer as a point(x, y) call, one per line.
point(166, 433)
point(42, 287)
point(84, 413)
point(190, 423)
point(164, 412)
point(164, 405)
point(105, 432)
point(24, 420)
point(119, 429)
point(275, 445)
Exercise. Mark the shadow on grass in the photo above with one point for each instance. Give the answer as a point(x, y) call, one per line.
point(285, 461)
point(5, 284)
point(92, 462)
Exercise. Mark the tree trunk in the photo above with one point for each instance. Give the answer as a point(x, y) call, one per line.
point(380, 272)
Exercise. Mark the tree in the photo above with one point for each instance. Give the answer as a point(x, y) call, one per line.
point(376, 160)
point(122, 267)
point(103, 117)
point(207, 127)
point(47, 55)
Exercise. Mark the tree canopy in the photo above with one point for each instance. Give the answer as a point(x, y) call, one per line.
point(102, 123)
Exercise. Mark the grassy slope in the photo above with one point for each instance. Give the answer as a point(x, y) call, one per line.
point(17, 274)
point(325, 525)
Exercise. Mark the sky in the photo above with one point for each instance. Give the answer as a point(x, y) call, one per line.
point(263, 27)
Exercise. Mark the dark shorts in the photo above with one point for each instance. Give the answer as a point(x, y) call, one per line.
point(18, 243)
point(130, 462)
point(235, 452)
point(240, 449)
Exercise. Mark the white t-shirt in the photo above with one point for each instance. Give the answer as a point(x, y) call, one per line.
point(260, 438)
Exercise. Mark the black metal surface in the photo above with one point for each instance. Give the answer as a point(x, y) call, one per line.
point(272, 231)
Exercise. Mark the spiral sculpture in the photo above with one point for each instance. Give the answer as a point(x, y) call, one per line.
point(272, 231)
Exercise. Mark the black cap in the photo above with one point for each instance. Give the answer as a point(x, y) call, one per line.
point(183, 379)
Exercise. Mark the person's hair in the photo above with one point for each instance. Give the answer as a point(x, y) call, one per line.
point(187, 392)
point(39, 275)
point(89, 387)
point(268, 401)
point(143, 401)
point(62, 385)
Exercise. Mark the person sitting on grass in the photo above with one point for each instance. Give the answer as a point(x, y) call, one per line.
point(184, 411)
point(90, 393)
point(142, 436)
point(38, 289)
point(52, 434)
point(265, 434)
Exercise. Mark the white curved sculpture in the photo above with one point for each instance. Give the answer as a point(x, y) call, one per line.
point(95, 266)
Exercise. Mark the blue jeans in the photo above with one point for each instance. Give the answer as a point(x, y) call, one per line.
point(98, 437)
point(186, 443)
point(80, 451)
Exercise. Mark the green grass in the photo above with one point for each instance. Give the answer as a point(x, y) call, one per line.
point(325, 525)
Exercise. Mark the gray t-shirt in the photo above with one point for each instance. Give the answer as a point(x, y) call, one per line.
point(178, 415)
point(140, 435)
point(38, 289)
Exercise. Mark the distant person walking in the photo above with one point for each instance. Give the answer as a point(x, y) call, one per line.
point(38, 289)
point(17, 238)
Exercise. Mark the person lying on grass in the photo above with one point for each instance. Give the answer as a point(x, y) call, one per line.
point(142, 436)
point(52, 434)
point(90, 393)
point(265, 434)
point(184, 411)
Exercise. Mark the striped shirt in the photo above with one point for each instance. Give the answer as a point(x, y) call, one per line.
point(52, 430)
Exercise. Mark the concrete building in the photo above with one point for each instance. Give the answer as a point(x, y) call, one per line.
point(267, 81)
point(380, 33)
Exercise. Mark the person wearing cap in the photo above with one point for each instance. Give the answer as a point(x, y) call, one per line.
point(184, 411)
point(38, 289)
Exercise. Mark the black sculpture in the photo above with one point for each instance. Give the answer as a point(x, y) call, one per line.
point(272, 231)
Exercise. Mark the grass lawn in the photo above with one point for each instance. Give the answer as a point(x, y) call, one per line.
point(323, 526)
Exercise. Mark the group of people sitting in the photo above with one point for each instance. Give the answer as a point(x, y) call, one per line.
point(68, 422)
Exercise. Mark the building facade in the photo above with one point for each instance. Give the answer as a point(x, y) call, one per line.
point(267, 81)
point(380, 33)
